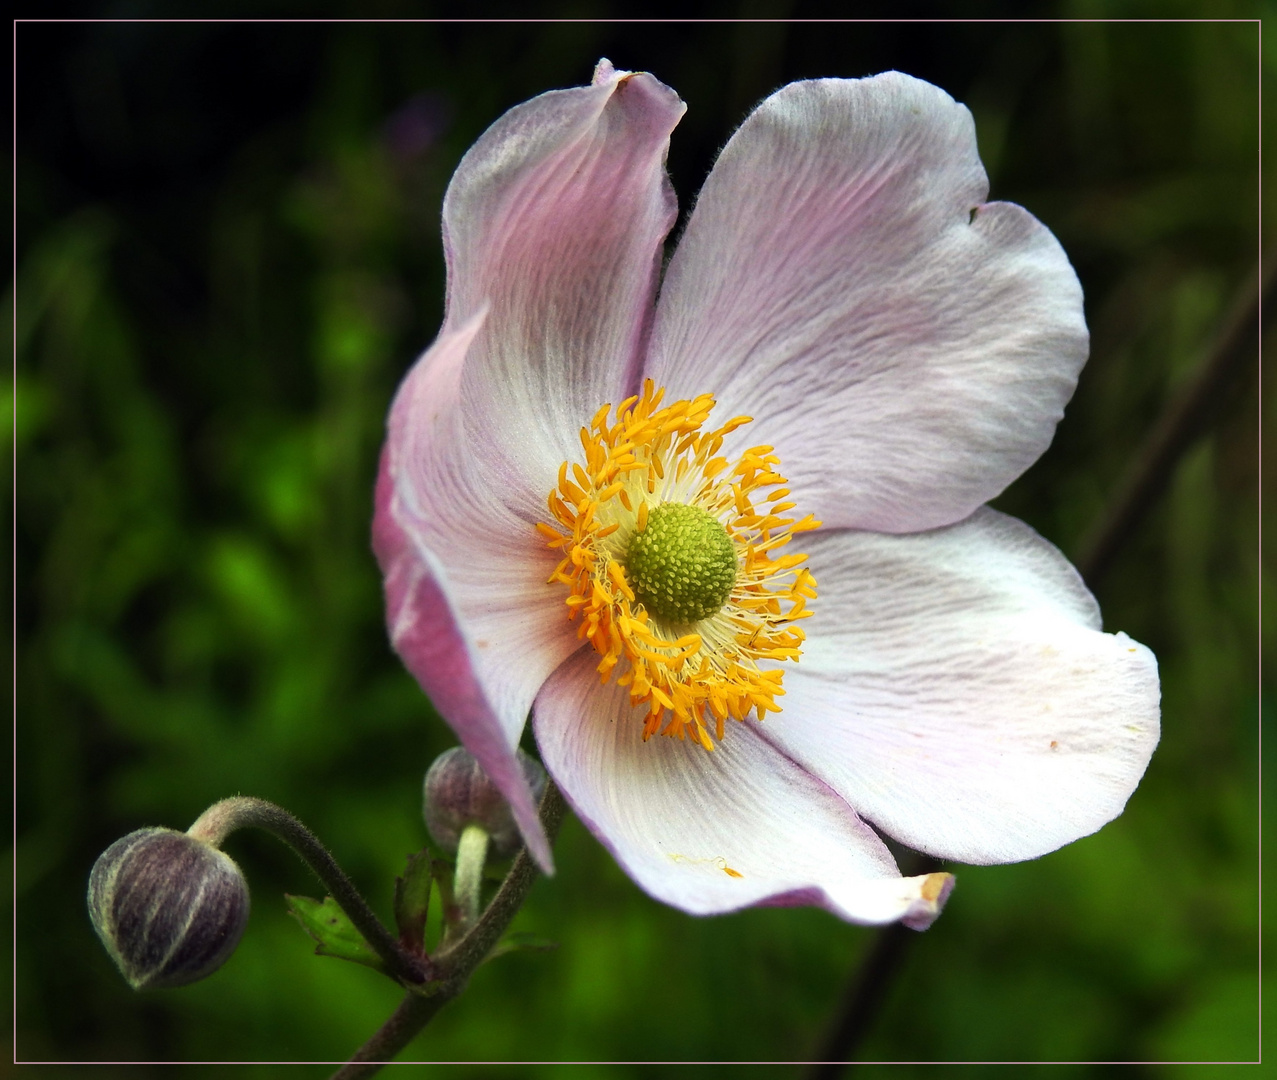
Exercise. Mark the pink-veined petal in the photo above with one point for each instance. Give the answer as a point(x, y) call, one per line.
point(553, 225)
point(467, 603)
point(906, 348)
point(436, 649)
point(555, 220)
point(714, 832)
point(955, 688)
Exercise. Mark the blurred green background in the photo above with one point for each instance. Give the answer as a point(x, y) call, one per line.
point(227, 256)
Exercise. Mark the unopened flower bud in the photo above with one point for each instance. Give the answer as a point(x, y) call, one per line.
point(169, 908)
point(458, 793)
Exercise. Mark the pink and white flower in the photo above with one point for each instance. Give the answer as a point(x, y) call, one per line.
point(904, 350)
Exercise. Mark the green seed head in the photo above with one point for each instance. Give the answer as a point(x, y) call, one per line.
point(682, 566)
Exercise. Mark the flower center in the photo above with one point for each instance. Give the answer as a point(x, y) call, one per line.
point(671, 557)
point(682, 567)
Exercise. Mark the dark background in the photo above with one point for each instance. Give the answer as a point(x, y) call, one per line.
point(228, 254)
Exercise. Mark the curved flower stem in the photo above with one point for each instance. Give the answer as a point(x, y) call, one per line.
point(454, 963)
point(223, 818)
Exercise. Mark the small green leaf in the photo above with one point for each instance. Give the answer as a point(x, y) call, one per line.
point(336, 934)
point(521, 941)
point(412, 900)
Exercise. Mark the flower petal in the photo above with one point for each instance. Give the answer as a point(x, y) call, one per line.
point(553, 225)
point(467, 603)
point(555, 218)
point(714, 832)
point(956, 690)
point(907, 350)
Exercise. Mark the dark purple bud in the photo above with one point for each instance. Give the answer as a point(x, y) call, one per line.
point(458, 793)
point(169, 908)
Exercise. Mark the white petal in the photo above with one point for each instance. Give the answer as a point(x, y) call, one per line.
point(907, 358)
point(713, 832)
point(467, 603)
point(553, 225)
point(956, 690)
point(436, 648)
point(555, 219)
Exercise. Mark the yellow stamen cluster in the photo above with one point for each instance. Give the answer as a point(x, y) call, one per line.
point(690, 674)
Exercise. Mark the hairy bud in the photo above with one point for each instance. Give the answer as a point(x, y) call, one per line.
point(458, 793)
point(169, 908)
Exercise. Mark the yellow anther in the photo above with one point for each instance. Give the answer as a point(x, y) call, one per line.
point(690, 680)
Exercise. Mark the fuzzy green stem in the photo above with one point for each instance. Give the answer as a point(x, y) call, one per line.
point(223, 818)
point(472, 853)
point(454, 963)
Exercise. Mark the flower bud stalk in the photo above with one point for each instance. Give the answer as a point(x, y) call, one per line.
point(472, 853)
point(223, 818)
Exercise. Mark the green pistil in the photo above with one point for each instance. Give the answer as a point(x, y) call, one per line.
point(682, 566)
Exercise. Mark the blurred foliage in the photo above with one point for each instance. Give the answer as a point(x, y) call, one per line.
point(228, 254)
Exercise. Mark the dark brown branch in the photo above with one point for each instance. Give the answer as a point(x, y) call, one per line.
point(1230, 355)
point(861, 1001)
point(866, 992)
point(414, 1013)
